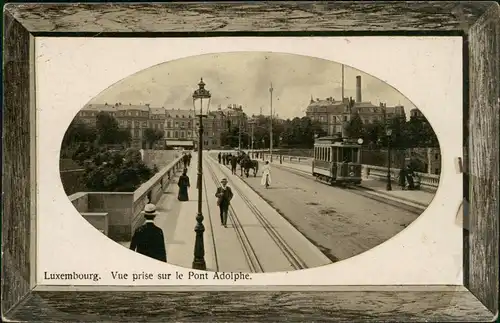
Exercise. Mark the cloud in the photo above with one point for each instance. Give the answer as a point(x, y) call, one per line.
point(244, 78)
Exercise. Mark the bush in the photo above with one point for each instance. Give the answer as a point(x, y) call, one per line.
point(116, 171)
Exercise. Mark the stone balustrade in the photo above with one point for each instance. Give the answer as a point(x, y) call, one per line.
point(123, 209)
point(427, 181)
point(98, 219)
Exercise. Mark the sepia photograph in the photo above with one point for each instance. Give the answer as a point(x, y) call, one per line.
point(288, 162)
point(213, 161)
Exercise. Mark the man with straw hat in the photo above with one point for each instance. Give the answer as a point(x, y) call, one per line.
point(148, 238)
point(224, 195)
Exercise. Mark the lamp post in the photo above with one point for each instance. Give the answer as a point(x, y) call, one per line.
point(252, 123)
point(239, 132)
point(271, 125)
point(199, 246)
point(389, 133)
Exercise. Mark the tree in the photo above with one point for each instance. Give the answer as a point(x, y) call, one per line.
point(83, 152)
point(225, 138)
point(107, 128)
point(372, 132)
point(78, 132)
point(420, 133)
point(124, 136)
point(355, 127)
point(152, 136)
point(399, 138)
point(116, 171)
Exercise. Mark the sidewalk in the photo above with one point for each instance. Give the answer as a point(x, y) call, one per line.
point(168, 209)
point(180, 227)
point(420, 198)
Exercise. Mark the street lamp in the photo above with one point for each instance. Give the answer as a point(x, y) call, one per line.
point(252, 123)
point(388, 133)
point(239, 132)
point(199, 246)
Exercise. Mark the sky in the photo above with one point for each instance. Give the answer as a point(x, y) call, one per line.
point(244, 78)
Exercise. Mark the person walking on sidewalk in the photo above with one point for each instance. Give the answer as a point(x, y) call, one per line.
point(189, 158)
point(224, 195)
point(219, 157)
point(183, 184)
point(185, 160)
point(148, 238)
point(266, 175)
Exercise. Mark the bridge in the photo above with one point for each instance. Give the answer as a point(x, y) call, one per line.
point(297, 223)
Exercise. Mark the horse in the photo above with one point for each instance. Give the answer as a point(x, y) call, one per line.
point(239, 161)
point(247, 164)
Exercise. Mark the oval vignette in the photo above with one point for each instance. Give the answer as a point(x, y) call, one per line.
point(334, 128)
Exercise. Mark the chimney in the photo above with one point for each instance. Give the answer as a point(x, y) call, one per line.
point(358, 88)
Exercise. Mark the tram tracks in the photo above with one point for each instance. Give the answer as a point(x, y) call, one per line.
point(286, 250)
point(216, 258)
point(358, 191)
point(248, 250)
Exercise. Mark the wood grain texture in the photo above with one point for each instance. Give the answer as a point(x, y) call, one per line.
point(482, 276)
point(250, 16)
point(16, 165)
point(257, 307)
point(484, 112)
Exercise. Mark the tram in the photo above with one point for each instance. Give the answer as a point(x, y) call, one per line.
point(337, 160)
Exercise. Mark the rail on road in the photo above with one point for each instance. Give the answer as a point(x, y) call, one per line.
point(268, 241)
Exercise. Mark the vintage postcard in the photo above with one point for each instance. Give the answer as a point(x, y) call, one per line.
point(245, 161)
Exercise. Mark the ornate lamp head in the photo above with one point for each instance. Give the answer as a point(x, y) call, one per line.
point(201, 93)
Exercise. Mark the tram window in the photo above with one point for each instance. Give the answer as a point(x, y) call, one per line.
point(347, 155)
point(334, 154)
point(355, 152)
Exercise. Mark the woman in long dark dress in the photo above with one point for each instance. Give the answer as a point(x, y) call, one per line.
point(183, 187)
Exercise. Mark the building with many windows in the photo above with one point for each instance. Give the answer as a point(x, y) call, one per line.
point(134, 117)
point(416, 113)
point(332, 114)
point(180, 126)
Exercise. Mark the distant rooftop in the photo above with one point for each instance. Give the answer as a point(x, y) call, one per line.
point(330, 105)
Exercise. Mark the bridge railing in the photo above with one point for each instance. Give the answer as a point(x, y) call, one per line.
point(427, 181)
point(122, 210)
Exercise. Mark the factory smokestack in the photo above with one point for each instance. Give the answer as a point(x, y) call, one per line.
point(358, 88)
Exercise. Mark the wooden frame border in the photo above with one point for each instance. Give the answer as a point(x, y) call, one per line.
point(478, 22)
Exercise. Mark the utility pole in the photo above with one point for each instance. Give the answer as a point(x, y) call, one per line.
point(271, 125)
point(342, 82)
point(252, 137)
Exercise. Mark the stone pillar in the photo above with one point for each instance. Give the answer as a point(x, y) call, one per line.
point(365, 171)
point(429, 160)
